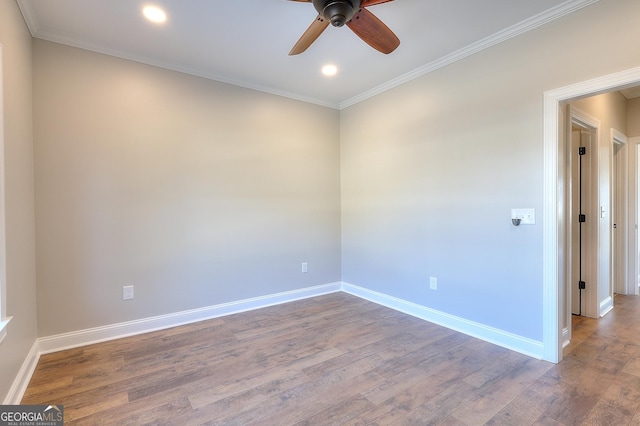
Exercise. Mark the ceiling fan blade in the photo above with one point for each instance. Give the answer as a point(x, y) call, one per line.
point(310, 35)
point(373, 31)
point(366, 3)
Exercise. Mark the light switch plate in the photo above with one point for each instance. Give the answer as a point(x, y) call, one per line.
point(526, 216)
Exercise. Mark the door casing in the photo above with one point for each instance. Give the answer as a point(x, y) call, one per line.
point(555, 179)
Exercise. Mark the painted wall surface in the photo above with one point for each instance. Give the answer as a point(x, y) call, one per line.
point(196, 192)
point(432, 169)
point(200, 193)
point(19, 204)
point(633, 117)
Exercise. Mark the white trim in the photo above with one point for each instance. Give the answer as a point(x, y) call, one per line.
point(182, 69)
point(550, 233)
point(619, 207)
point(618, 137)
point(606, 306)
point(499, 37)
point(566, 337)
point(19, 386)
point(36, 31)
point(3, 328)
point(89, 336)
point(530, 347)
point(529, 24)
point(29, 16)
point(632, 284)
point(551, 222)
point(79, 338)
point(583, 119)
point(592, 125)
point(85, 337)
point(4, 319)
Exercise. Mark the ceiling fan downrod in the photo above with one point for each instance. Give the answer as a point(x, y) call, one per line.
point(338, 12)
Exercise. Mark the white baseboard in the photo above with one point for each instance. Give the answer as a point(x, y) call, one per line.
point(130, 328)
point(606, 305)
point(79, 338)
point(19, 386)
point(526, 346)
point(565, 337)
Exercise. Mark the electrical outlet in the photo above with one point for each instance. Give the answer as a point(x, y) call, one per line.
point(127, 292)
point(433, 283)
point(305, 267)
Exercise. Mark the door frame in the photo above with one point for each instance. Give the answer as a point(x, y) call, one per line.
point(633, 250)
point(554, 203)
point(590, 124)
point(620, 209)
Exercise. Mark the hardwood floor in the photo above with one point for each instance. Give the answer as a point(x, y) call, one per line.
point(337, 359)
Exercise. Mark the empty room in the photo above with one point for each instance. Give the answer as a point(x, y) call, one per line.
point(320, 212)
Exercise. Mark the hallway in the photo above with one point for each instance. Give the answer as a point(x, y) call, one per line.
point(599, 378)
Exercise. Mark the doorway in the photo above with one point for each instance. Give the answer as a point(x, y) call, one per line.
point(555, 254)
point(621, 224)
point(597, 214)
point(582, 215)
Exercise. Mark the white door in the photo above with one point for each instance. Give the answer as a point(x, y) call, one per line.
point(583, 217)
point(620, 231)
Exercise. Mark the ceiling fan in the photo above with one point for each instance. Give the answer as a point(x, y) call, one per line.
point(354, 14)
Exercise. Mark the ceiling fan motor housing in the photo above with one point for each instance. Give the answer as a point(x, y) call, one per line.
point(338, 12)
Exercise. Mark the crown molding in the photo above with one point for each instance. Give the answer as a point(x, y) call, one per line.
point(529, 24)
point(172, 66)
point(499, 37)
point(29, 17)
point(36, 32)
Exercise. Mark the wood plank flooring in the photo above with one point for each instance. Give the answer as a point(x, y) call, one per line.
point(340, 360)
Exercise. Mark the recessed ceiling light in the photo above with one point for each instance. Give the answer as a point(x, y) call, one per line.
point(329, 70)
point(154, 14)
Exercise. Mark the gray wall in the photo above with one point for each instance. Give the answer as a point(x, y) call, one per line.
point(20, 230)
point(195, 192)
point(201, 193)
point(431, 170)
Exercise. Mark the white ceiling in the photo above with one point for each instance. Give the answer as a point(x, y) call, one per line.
point(246, 42)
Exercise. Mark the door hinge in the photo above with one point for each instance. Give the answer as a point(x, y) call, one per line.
point(582, 150)
point(582, 218)
point(582, 285)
